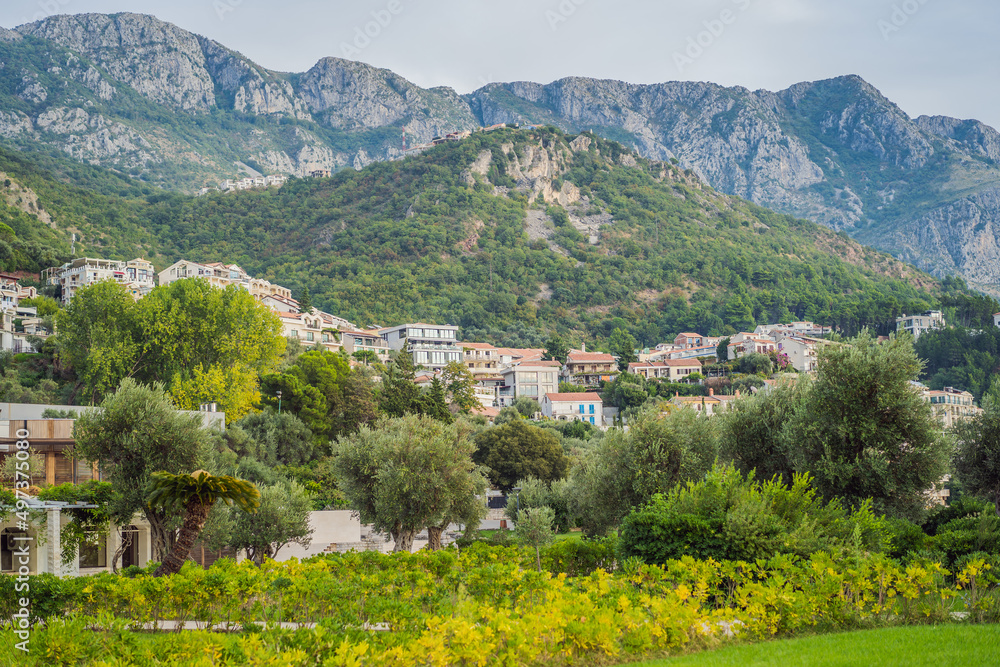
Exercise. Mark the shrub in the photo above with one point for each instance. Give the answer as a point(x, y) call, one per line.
point(727, 516)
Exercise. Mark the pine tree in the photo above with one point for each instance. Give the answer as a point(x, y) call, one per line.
point(399, 394)
point(435, 402)
point(305, 301)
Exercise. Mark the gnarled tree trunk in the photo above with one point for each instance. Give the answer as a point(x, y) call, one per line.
point(404, 539)
point(194, 521)
point(434, 537)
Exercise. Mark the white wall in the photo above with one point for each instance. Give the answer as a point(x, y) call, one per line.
point(331, 527)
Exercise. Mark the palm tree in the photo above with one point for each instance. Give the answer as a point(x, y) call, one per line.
point(195, 494)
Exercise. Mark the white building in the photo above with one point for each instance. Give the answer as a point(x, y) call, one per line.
point(365, 341)
point(533, 379)
point(792, 328)
point(137, 275)
point(801, 351)
point(433, 346)
point(917, 324)
point(310, 329)
point(672, 370)
point(222, 275)
point(587, 407)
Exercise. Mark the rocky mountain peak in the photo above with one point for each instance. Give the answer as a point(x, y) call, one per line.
point(156, 58)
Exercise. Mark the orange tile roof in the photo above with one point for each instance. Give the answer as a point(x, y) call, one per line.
point(539, 363)
point(583, 357)
point(572, 397)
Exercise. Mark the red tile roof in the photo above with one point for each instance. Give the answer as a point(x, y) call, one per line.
point(585, 357)
point(574, 397)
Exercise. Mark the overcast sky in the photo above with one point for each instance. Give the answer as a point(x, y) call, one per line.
point(933, 57)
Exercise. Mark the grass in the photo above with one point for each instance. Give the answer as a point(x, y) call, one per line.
point(931, 645)
point(572, 535)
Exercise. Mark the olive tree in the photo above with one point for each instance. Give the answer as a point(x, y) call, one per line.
point(977, 457)
point(136, 433)
point(408, 473)
point(863, 431)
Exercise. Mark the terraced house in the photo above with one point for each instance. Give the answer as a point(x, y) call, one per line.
point(672, 370)
point(589, 368)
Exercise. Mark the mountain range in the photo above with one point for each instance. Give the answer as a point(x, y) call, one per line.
point(178, 110)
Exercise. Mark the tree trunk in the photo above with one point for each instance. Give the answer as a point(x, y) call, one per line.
point(157, 536)
point(119, 551)
point(538, 557)
point(194, 521)
point(434, 537)
point(404, 539)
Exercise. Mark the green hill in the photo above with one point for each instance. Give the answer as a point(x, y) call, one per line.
point(510, 234)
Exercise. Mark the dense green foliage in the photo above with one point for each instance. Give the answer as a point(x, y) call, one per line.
point(977, 456)
point(727, 516)
point(416, 240)
point(518, 450)
point(627, 468)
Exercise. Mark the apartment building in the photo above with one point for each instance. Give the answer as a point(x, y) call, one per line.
point(672, 370)
point(801, 351)
point(222, 276)
point(136, 275)
point(589, 368)
point(748, 343)
point(533, 379)
point(365, 341)
point(918, 324)
point(12, 291)
point(578, 406)
point(951, 405)
point(310, 329)
point(690, 353)
point(482, 359)
point(792, 328)
point(433, 346)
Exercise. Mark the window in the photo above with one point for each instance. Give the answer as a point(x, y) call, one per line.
point(8, 545)
point(295, 333)
point(592, 419)
point(309, 336)
point(94, 551)
point(430, 333)
point(591, 409)
point(529, 390)
point(528, 377)
point(582, 411)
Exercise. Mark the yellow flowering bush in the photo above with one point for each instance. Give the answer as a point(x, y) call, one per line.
point(490, 606)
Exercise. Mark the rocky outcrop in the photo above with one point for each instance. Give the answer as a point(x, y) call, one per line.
point(836, 151)
point(157, 59)
point(350, 95)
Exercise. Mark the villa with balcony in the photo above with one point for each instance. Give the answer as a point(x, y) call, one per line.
point(589, 368)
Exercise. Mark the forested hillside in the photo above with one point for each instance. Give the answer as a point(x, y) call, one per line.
point(512, 232)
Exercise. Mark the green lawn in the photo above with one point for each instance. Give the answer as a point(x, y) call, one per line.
point(573, 535)
point(934, 646)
